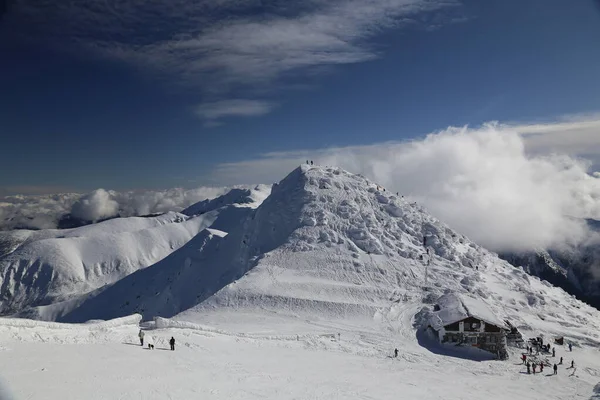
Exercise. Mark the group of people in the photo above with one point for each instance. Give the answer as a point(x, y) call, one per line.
point(150, 341)
point(540, 346)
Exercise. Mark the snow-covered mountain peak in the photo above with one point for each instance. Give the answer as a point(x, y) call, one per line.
point(328, 244)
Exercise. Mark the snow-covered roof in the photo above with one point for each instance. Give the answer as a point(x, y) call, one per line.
point(455, 307)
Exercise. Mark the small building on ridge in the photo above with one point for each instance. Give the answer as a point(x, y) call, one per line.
point(462, 320)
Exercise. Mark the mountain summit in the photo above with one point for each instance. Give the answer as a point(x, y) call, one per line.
point(327, 244)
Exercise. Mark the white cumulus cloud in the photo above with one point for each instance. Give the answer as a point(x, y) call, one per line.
point(492, 183)
point(95, 206)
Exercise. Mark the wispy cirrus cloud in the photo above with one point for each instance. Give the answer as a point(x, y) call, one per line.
point(228, 47)
point(234, 107)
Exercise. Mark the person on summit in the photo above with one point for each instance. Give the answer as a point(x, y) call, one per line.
point(141, 336)
point(172, 343)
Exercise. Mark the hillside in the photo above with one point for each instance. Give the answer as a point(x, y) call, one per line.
point(327, 245)
point(306, 294)
point(51, 266)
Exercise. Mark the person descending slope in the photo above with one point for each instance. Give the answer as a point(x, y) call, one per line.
point(172, 343)
point(141, 336)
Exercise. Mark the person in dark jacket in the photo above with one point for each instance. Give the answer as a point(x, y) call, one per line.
point(555, 369)
point(172, 343)
point(524, 358)
point(553, 352)
point(528, 368)
point(396, 353)
point(560, 362)
point(541, 367)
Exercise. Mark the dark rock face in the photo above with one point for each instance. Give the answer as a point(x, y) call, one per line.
point(576, 270)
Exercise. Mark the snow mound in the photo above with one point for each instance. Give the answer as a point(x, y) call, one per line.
point(29, 323)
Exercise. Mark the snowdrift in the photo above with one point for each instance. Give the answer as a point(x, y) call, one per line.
point(92, 325)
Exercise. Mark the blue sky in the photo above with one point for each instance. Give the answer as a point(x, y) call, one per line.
point(122, 96)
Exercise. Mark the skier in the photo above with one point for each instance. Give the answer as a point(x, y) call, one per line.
point(396, 353)
point(141, 336)
point(555, 369)
point(541, 367)
point(528, 368)
point(172, 343)
point(553, 352)
point(524, 358)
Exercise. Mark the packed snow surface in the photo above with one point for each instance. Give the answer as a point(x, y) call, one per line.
point(306, 296)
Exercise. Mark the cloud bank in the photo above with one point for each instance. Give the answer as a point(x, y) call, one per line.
point(498, 184)
point(44, 212)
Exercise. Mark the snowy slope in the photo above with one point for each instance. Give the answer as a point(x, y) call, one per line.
point(242, 197)
point(54, 266)
point(306, 296)
point(328, 245)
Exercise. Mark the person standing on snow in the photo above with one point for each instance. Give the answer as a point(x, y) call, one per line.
point(141, 336)
point(533, 366)
point(524, 358)
point(560, 361)
point(555, 369)
point(570, 347)
point(572, 363)
point(541, 367)
point(553, 352)
point(396, 353)
point(172, 343)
